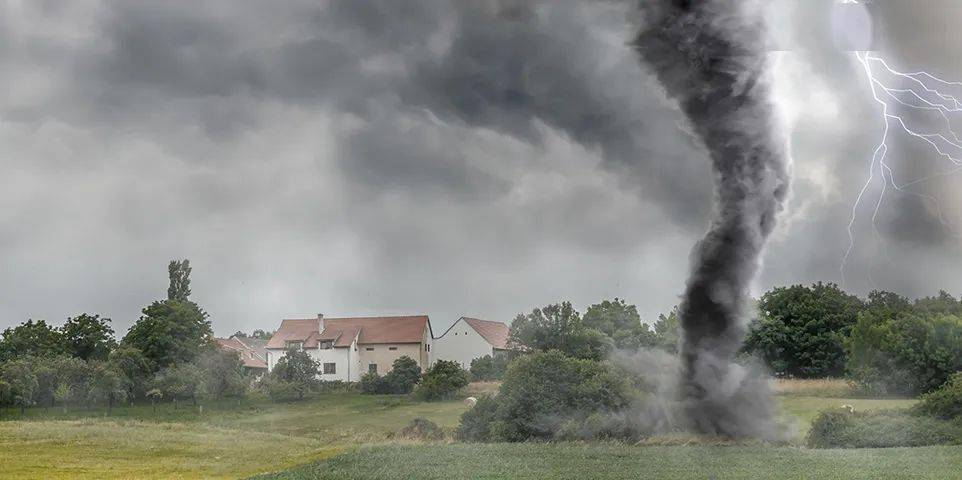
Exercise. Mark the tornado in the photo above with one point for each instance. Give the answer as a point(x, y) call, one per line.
point(711, 57)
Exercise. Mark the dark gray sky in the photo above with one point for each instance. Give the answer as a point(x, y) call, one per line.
point(440, 157)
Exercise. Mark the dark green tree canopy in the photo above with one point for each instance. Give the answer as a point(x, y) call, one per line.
point(559, 327)
point(179, 273)
point(170, 331)
point(30, 338)
point(801, 330)
point(620, 322)
point(89, 337)
point(666, 331)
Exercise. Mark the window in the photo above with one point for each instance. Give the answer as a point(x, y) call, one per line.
point(295, 344)
point(427, 347)
point(329, 368)
point(372, 368)
point(392, 348)
point(370, 349)
point(327, 345)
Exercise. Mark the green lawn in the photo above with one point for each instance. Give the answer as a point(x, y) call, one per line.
point(614, 461)
point(237, 439)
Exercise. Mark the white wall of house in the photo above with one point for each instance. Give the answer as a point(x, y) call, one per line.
point(344, 360)
point(460, 343)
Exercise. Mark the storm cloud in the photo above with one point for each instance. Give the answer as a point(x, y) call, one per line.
point(364, 157)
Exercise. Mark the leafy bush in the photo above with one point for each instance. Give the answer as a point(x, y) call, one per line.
point(280, 390)
point(443, 380)
point(542, 393)
point(842, 429)
point(404, 375)
point(489, 368)
point(372, 384)
point(476, 423)
point(946, 402)
point(422, 429)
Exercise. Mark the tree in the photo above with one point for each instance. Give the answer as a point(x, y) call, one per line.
point(88, 337)
point(170, 331)
point(443, 380)
point(907, 352)
point(489, 367)
point(295, 371)
point(558, 327)
point(222, 374)
point(134, 368)
point(666, 331)
point(800, 331)
point(179, 382)
point(179, 274)
point(404, 375)
point(21, 382)
point(620, 322)
point(34, 338)
point(106, 384)
point(261, 334)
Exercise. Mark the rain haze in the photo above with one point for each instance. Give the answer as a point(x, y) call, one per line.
point(443, 158)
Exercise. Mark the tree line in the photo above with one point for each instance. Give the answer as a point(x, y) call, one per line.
point(168, 353)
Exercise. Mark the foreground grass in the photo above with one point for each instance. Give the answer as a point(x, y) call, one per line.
point(614, 461)
point(223, 440)
point(236, 439)
point(132, 449)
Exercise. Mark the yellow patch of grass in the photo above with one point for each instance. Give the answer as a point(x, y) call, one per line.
point(818, 387)
point(106, 449)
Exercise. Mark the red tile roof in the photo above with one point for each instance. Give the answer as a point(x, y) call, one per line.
point(496, 333)
point(342, 331)
point(249, 354)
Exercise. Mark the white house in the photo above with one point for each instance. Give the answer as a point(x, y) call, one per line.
point(470, 338)
point(347, 348)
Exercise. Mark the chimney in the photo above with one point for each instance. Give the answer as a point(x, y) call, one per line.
point(320, 322)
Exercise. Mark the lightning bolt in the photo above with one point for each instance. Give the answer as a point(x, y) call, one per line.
point(919, 91)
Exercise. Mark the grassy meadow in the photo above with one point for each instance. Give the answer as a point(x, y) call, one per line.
point(348, 435)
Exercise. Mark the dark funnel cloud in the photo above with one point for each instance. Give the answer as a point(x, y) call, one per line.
point(710, 56)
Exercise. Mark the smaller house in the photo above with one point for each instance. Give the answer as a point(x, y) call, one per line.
point(471, 338)
point(252, 351)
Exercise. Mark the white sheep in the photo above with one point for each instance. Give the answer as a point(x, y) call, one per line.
point(470, 401)
point(848, 407)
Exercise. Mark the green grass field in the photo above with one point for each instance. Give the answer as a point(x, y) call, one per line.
point(352, 435)
point(612, 461)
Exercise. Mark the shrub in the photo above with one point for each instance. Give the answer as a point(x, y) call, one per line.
point(946, 402)
point(548, 395)
point(284, 390)
point(476, 423)
point(489, 368)
point(404, 375)
point(372, 384)
point(422, 429)
point(443, 380)
point(894, 428)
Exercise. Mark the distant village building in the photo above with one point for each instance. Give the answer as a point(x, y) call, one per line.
point(347, 348)
point(252, 351)
point(471, 338)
